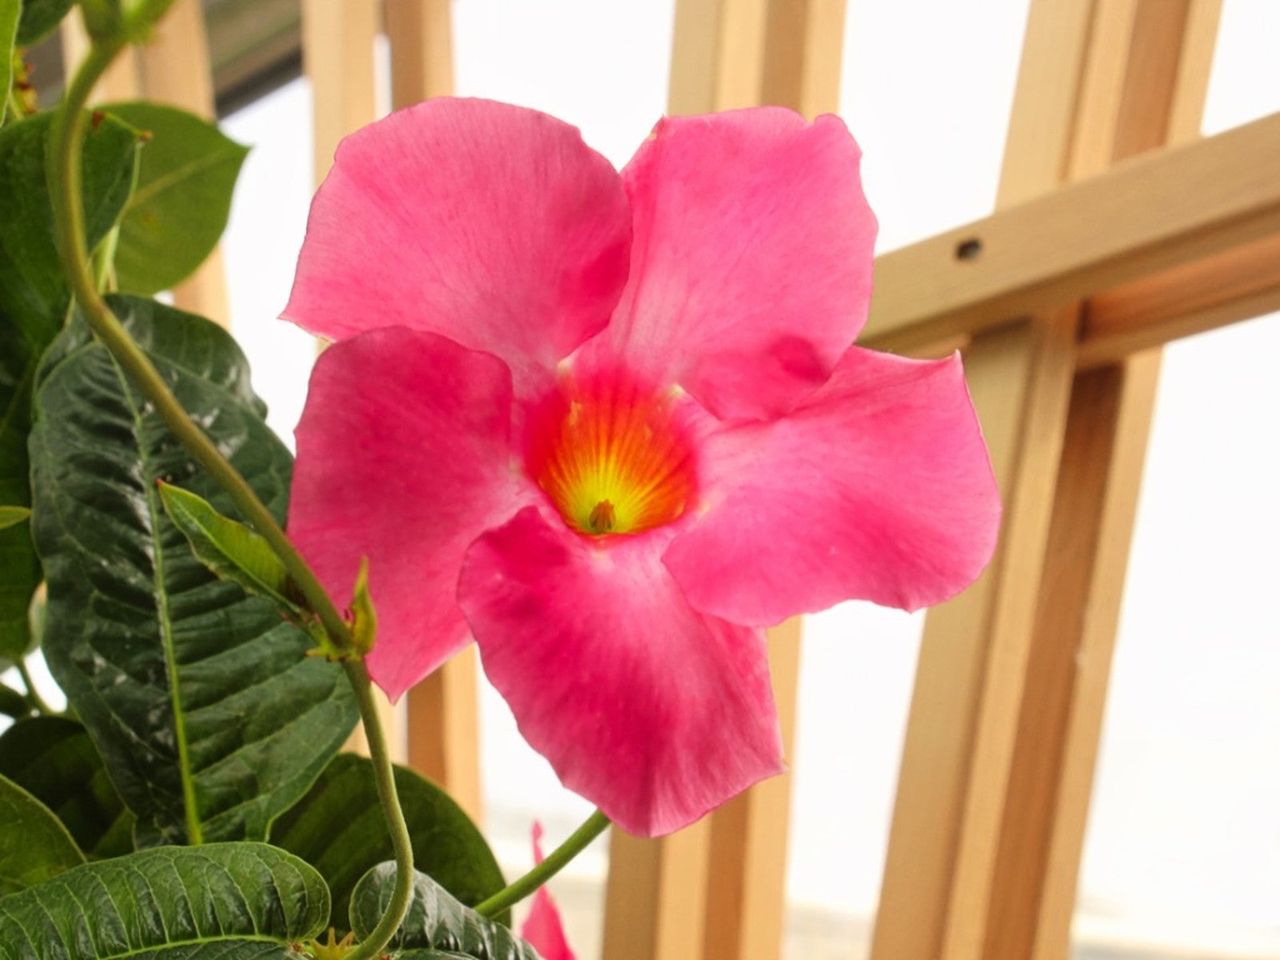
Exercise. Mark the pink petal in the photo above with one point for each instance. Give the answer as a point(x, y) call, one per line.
point(542, 927)
point(876, 488)
point(647, 708)
point(403, 456)
point(751, 264)
point(493, 225)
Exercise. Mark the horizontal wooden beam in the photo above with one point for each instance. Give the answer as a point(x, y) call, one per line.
point(1148, 215)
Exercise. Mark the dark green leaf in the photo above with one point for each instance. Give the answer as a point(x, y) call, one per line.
point(180, 207)
point(435, 920)
point(202, 702)
point(232, 901)
point(33, 303)
point(34, 846)
point(227, 547)
point(12, 704)
point(10, 12)
point(338, 827)
point(39, 17)
point(54, 759)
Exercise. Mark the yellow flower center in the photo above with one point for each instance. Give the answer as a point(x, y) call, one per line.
point(611, 457)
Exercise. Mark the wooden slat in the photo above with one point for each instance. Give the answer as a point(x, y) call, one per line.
point(175, 70)
point(1117, 227)
point(443, 710)
point(969, 684)
point(1157, 99)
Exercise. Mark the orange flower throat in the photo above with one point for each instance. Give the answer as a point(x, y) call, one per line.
point(612, 457)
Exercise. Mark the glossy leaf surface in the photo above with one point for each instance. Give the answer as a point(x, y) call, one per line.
point(338, 828)
point(34, 845)
point(180, 207)
point(54, 759)
point(39, 17)
point(33, 303)
point(202, 702)
point(232, 901)
point(435, 919)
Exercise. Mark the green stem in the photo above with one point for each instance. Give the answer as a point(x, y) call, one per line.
point(33, 694)
point(66, 138)
point(65, 141)
point(401, 843)
point(555, 861)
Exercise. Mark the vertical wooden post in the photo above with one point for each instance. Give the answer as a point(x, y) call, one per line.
point(175, 69)
point(443, 710)
point(1158, 98)
point(337, 56)
point(972, 797)
point(721, 883)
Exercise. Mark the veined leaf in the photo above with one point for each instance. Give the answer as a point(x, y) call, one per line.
point(338, 828)
point(34, 846)
point(227, 547)
point(232, 901)
point(435, 921)
point(54, 759)
point(180, 207)
point(201, 700)
point(33, 303)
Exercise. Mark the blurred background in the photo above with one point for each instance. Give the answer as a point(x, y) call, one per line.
point(1182, 857)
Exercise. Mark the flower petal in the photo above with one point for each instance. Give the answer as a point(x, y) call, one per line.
point(493, 225)
point(877, 488)
point(542, 928)
point(404, 457)
point(751, 262)
point(647, 708)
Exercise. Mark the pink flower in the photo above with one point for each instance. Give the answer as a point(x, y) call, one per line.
point(611, 426)
point(542, 927)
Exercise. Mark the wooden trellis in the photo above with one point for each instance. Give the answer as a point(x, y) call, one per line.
point(1061, 300)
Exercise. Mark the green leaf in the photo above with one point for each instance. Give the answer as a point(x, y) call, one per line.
point(34, 846)
point(33, 303)
point(180, 208)
point(12, 703)
point(232, 901)
point(10, 11)
point(54, 759)
point(12, 516)
point(39, 17)
point(230, 549)
point(435, 919)
point(338, 828)
point(208, 713)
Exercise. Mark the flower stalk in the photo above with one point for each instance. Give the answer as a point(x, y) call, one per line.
point(554, 862)
point(66, 140)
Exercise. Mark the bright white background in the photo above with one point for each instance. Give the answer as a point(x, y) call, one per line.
point(1183, 851)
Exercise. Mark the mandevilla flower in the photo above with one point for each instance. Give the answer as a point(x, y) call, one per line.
point(612, 426)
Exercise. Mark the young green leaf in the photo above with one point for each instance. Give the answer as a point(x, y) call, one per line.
point(364, 619)
point(54, 759)
point(338, 828)
point(34, 846)
point(39, 17)
point(12, 516)
point(435, 921)
point(227, 547)
point(183, 198)
point(10, 11)
point(208, 713)
point(233, 901)
point(33, 304)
